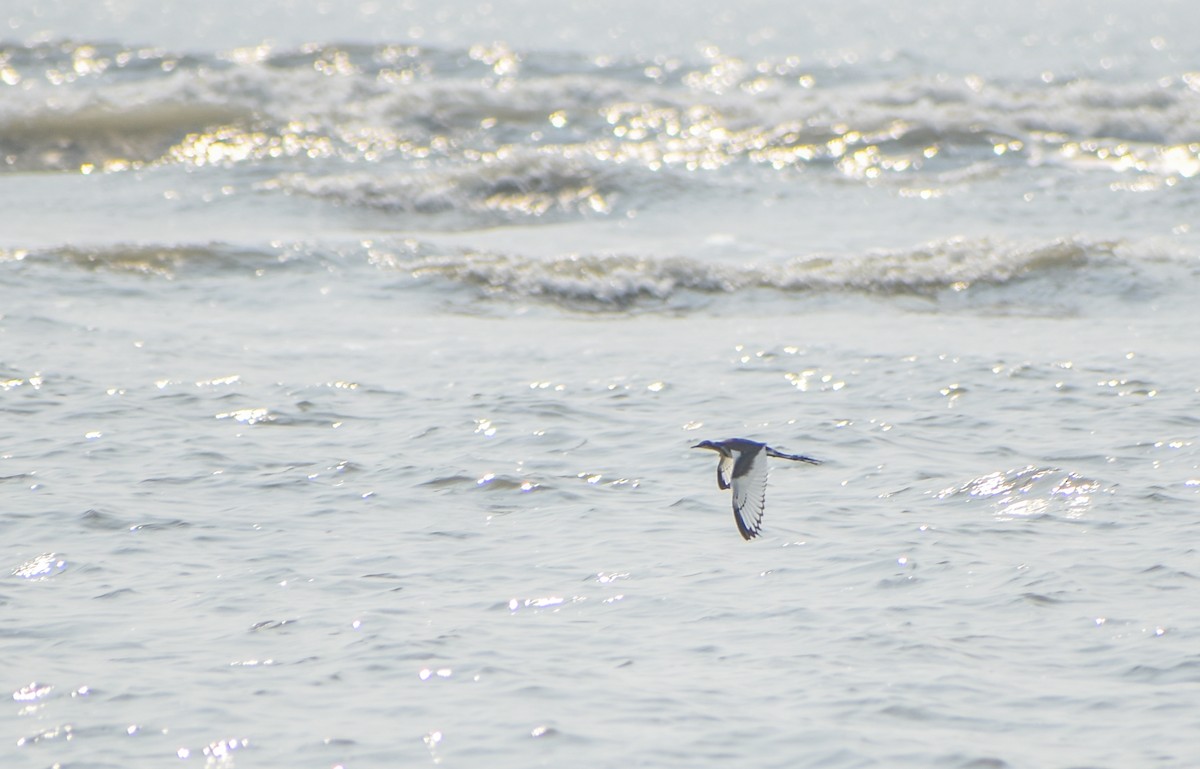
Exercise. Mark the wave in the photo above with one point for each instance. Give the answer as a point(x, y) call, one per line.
point(162, 261)
point(73, 105)
point(617, 282)
point(1050, 276)
point(510, 185)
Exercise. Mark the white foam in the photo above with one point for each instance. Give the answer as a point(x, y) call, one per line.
point(615, 281)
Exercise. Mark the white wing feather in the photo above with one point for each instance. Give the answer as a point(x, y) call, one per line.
point(749, 491)
point(725, 472)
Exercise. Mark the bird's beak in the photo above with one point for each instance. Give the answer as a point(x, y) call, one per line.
point(701, 445)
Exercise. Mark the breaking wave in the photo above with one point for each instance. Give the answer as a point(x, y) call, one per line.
point(613, 282)
point(511, 185)
point(1060, 275)
point(71, 105)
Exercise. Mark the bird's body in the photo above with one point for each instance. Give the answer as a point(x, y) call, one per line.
point(743, 468)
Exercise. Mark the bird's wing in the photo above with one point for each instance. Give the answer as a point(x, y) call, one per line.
point(724, 472)
point(749, 490)
point(794, 457)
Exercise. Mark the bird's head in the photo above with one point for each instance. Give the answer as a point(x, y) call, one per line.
point(707, 445)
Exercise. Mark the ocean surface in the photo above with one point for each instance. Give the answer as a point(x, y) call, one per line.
point(351, 354)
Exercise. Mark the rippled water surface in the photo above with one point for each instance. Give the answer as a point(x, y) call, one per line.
point(349, 366)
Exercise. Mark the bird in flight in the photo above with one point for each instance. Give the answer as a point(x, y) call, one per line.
point(743, 466)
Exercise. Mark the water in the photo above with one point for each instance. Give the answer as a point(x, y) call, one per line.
point(350, 358)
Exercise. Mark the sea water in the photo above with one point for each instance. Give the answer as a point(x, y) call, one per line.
point(350, 357)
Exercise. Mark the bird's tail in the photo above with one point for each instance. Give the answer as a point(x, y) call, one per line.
point(794, 457)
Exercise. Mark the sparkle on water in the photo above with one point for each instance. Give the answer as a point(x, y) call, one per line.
point(689, 116)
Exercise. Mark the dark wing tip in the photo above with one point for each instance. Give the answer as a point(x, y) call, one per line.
point(747, 526)
point(746, 532)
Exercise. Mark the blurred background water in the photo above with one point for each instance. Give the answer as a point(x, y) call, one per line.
point(350, 357)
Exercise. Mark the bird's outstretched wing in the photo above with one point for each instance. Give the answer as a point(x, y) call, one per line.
point(749, 489)
point(794, 457)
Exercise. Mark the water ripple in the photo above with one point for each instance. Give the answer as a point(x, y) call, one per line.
point(1029, 492)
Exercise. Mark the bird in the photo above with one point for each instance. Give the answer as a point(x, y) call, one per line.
point(743, 466)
